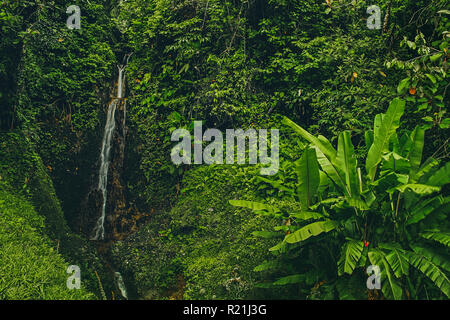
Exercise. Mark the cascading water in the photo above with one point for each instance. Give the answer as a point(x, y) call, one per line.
point(121, 285)
point(120, 81)
point(112, 157)
point(105, 155)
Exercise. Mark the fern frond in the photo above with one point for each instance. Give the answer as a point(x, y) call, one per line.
point(100, 286)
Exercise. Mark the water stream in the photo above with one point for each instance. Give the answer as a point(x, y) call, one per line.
point(105, 155)
point(105, 159)
point(121, 285)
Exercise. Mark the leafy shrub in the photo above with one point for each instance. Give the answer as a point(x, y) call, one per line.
point(393, 216)
point(202, 238)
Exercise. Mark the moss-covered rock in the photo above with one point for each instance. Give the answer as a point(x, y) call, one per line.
point(22, 168)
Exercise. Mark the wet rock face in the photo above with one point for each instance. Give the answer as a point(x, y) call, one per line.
point(117, 209)
point(90, 211)
point(121, 219)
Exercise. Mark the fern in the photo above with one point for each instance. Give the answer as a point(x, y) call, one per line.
point(100, 286)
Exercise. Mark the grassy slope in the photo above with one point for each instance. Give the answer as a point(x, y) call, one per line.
point(24, 182)
point(30, 268)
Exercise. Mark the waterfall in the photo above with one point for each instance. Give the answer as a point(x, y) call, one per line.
point(105, 155)
point(120, 81)
point(121, 285)
point(104, 165)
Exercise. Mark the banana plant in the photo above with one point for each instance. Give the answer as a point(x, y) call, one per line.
point(390, 212)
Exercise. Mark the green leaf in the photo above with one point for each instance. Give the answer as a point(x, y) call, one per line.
point(415, 153)
point(395, 162)
point(265, 285)
point(423, 106)
point(256, 206)
point(427, 207)
point(418, 188)
point(435, 57)
point(325, 182)
point(278, 247)
point(326, 201)
point(266, 234)
point(312, 229)
point(433, 255)
point(266, 265)
point(398, 262)
point(441, 176)
point(403, 85)
point(389, 125)
point(411, 44)
point(284, 228)
point(276, 184)
point(431, 77)
point(357, 203)
point(424, 169)
point(377, 125)
point(184, 68)
point(332, 172)
point(350, 256)
point(322, 143)
point(296, 278)
point(445, 123)
point(432, 271)
point(442, 237)
point(308, 177)
point(389, 286)
point(346, 161)
point(306, 215)
point(368, 137)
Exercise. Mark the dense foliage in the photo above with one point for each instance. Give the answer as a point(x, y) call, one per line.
point(374, 192)
point(385, 217)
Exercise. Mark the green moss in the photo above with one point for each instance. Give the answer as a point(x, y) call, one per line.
point(23, 169)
